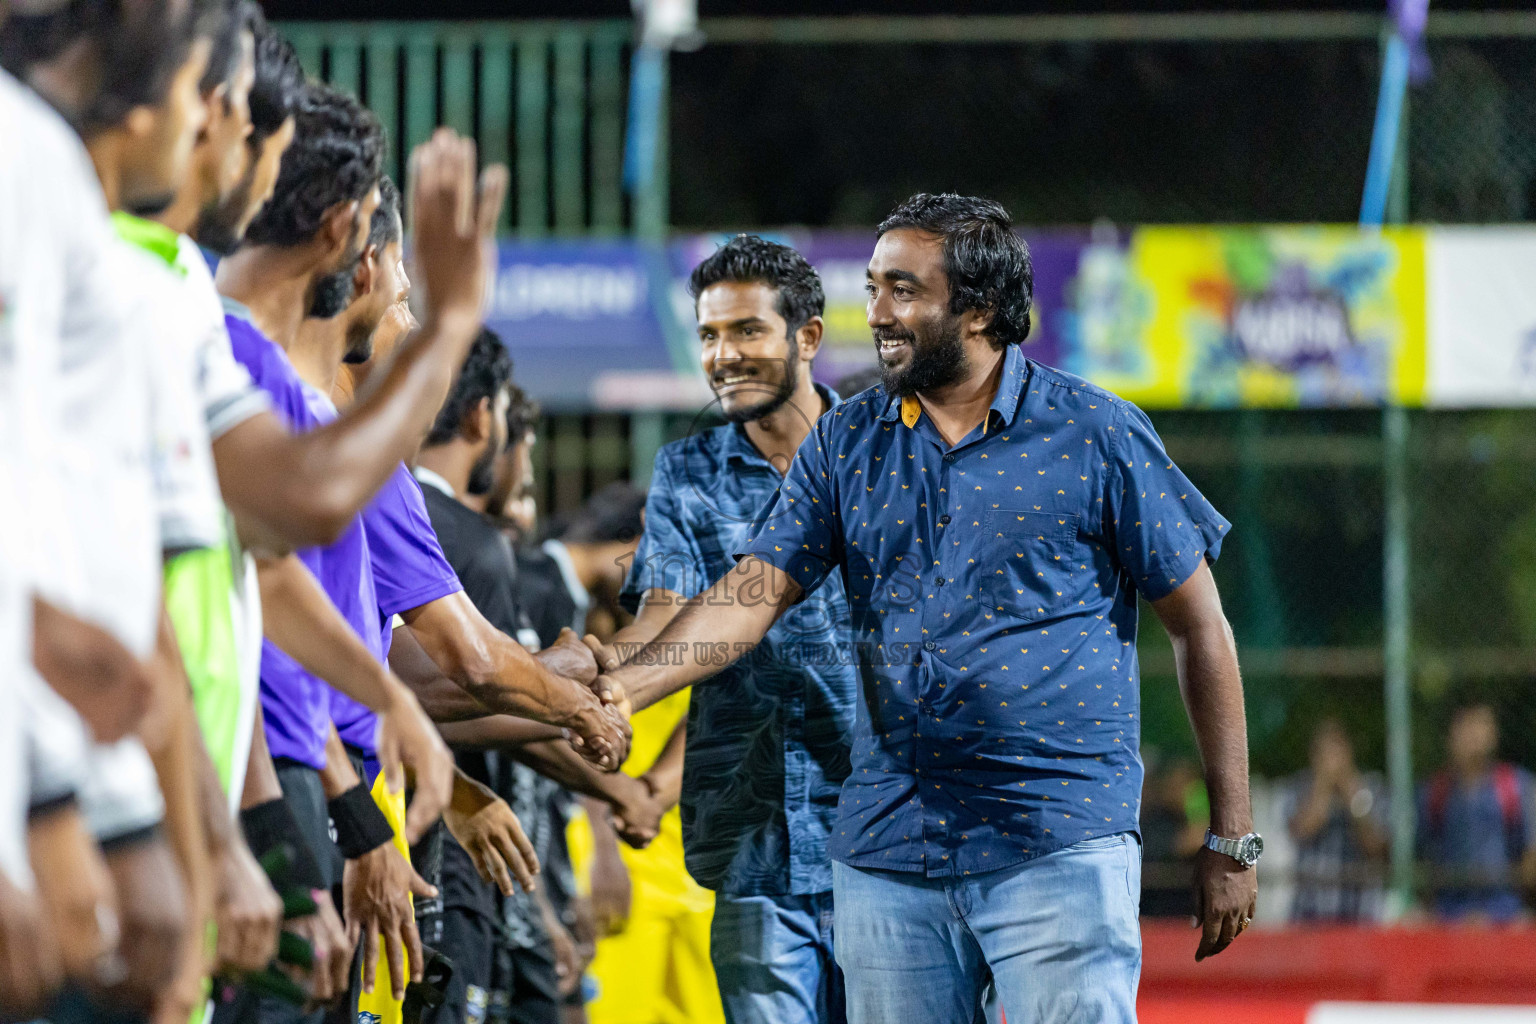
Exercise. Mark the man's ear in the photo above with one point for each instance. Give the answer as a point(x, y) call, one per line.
point(808, 338)
point(216, 103)
point(979, 321)
point(477, 422)
point(337, 228)
point(367, 272)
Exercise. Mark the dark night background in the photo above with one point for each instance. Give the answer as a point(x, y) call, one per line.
point(722, 8)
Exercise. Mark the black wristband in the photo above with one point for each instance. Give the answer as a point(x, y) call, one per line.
point(360, 825)
point(272, 826)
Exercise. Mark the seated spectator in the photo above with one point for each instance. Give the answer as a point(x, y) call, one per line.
point(1475, 825)
point(1337, 817)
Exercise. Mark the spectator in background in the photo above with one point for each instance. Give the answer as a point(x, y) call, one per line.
point(1174, 814)
point(1475, 825)
point(1337, 816)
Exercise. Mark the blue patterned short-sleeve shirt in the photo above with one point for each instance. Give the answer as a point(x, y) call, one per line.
point(992, 588)
point(768, 737)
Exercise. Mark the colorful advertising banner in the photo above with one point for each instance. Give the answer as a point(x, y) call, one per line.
point(1276, 317)
point(1283, 317)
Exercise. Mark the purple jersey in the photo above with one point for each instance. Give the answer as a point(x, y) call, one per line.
point(296, 704)
point(409, 570)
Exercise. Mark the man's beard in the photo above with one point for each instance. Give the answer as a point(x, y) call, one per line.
point(359, 343)
point(482, 475)
point(771, 402)
point(218, 225)
point(334, 291)
point(937, 360)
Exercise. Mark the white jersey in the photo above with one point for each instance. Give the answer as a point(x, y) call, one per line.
point(80, 384)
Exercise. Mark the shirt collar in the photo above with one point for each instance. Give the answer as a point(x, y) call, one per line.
point(238, 310)
point(147, 235)
point(427, 478)
point(739, 447)
point(1006, 403)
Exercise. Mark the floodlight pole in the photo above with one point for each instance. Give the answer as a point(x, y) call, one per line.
point(1385, 198)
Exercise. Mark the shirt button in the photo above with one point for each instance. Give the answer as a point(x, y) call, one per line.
point(949, 458)
point(944, 519)
point(929, 645)
point(940, 581)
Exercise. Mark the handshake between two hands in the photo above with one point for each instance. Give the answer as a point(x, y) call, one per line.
point(601, 733)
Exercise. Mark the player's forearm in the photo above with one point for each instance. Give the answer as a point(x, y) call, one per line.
point(441, 698)
point(497, 732)
point(338, 775)
point(709, 633)
point(666, 774)
point(353, 456)
point(218, 821)
point(173, 747)
point(1206, 657)
point(298, 616)
point(556, 760)
point(261, 782)
point(495, 670)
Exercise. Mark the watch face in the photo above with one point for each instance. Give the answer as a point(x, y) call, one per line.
point(1253, 847)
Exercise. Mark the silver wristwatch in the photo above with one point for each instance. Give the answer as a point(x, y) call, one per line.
point(1246, 850)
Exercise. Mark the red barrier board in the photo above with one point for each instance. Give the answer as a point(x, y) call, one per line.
point(1301, 966)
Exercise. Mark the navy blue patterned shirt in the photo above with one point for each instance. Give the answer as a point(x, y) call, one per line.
point(768, 737)
point(992, 588)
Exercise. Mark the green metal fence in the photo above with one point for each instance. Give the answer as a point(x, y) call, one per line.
point(545, 98)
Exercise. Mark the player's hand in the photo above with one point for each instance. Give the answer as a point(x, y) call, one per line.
point(376, 892)
point(76, 892)
point(106, 685)
point(154, 912)
point(637, 819)
point(1226, 896)
point(247, 911)
point(30, 967)
point(601, 734)
point(492, 836)
point(568, 965)
point(407, 737)
point(606, 655)
point(612, 893)
point(568, 656)
point(327, 972)
point(453, 222)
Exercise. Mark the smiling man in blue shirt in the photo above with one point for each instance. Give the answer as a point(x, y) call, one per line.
point(993, 521)
point(767, 742)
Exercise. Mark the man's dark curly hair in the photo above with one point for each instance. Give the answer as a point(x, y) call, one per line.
point(486, 371)
point(136, 46)
point(614, 515)
point(987, 264)
point(750, 258)
point(279, 80)
point(224, 27)
point(384, 228)
point(522, 416)
point(336, 156)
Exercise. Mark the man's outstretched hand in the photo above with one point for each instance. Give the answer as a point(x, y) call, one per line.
point(1226, 896)
point(568, 656)
point(453, 223)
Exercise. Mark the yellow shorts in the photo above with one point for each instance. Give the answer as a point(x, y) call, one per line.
point(381, 1002)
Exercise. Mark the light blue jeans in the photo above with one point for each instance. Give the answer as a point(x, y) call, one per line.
point(773, 959)
point(1058, 935)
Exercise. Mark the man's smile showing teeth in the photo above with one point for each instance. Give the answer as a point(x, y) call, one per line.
point(739, 378)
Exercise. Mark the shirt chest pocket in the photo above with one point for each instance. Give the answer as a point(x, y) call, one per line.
point(1025, 562)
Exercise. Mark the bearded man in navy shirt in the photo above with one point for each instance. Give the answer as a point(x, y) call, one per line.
point(993, 522)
